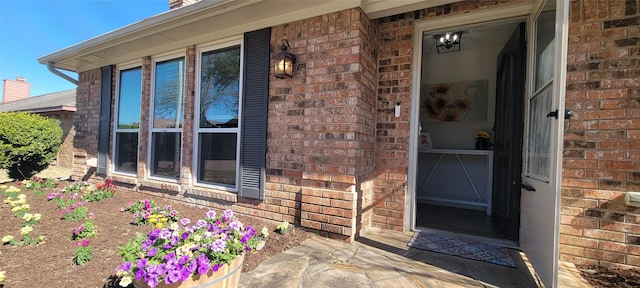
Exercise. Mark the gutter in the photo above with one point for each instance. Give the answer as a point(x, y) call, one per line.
point(62, 75)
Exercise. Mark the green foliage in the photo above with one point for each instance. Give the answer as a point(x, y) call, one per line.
point(86, 230)
point(145, 212)
point(37, 184)
point(130, 251)
point(283, 228)
point(28, 143)
point(75, 212)
point(100, 191)
point(83, 253)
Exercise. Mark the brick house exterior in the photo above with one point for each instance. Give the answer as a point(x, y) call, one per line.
point(337, 159)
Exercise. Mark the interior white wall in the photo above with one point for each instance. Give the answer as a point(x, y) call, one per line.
point(476, 61)
point(471, 63)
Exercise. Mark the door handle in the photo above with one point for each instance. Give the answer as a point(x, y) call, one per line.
point(567, 114)
point(527, 187)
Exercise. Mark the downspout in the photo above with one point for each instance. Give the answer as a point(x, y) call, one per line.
point(62, 75)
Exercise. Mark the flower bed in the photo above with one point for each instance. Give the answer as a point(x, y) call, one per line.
point(54, 257)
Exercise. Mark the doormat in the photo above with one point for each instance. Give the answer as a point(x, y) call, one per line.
point(462, 247)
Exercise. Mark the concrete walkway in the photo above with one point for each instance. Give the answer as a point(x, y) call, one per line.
point(383, 259)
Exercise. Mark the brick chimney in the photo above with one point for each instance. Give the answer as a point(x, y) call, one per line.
point(173, 4)
point(14, 90)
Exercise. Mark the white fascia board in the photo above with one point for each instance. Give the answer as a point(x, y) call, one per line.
point(382, 8)
point(80, 57)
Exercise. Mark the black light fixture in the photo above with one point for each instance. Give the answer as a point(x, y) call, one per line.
point(283, 64)
point(448, 42)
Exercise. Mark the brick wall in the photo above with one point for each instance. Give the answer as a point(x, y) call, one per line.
point(601, 149)
point(65, 154)
point(86, 122)
point(320, 131)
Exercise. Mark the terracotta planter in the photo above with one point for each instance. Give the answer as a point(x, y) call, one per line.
point(228, 276)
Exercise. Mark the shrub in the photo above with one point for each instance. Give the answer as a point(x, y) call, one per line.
point(28, 143)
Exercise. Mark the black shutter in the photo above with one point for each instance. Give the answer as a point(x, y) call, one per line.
point(254, 113)
point(106, 74)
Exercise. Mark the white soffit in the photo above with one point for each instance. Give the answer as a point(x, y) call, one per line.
point(382, 8)
point(200, 22)
point(209, 20)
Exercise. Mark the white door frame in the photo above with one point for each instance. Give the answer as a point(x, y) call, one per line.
point(492, 15)
point(433, 26)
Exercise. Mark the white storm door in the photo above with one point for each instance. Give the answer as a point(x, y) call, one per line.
point(541, 179)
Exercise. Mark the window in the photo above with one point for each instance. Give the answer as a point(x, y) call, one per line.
point(217, 111)
point(166, 118)
point(127, 125)
point(541, 102)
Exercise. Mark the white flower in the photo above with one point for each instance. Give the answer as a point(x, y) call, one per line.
point(26, 230)
point(13, 189)
point(125, 281)
point(260, 245)
point(27, 216)
point(2, 275)
point(265, 232)
point(7, 239)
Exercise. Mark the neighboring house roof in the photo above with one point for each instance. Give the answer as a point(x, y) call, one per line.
point(57, 101)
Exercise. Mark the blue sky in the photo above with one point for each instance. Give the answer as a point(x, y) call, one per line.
point(30, 29)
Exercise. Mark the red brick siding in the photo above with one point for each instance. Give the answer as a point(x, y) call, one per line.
point(320, 130)
point(65, 154)
point(86, 121)
point(320, 134)
point(600, 159)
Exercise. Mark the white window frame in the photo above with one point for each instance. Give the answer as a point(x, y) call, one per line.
point(196, 114)
point(119, 69)
point(154, 61)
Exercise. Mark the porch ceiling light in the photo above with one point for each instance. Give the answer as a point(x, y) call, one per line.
point(448, 42)
point(284, 61)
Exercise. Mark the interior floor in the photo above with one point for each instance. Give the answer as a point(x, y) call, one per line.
point(457, 220)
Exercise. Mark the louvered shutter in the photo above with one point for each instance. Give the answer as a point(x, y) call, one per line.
point(106, 74)
point(254, 113)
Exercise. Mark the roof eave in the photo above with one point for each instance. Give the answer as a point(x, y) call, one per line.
point(177, 28)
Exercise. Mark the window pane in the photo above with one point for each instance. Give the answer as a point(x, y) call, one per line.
point(168, 94)
point(217, 161)
point(545, 47)
point(126, 156)
point(129, 98)
point(165, 154)
point(220, 88)
point(538, 152)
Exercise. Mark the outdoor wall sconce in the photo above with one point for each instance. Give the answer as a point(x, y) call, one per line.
point(448, 42)
point(284, 61)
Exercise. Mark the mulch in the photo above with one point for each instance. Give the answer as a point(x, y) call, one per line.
point(49, 264)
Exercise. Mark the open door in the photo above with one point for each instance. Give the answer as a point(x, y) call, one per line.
point(508, 131)
point(541, 174)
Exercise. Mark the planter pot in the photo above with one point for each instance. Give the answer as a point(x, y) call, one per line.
point(482, 144)
point(228, 276)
